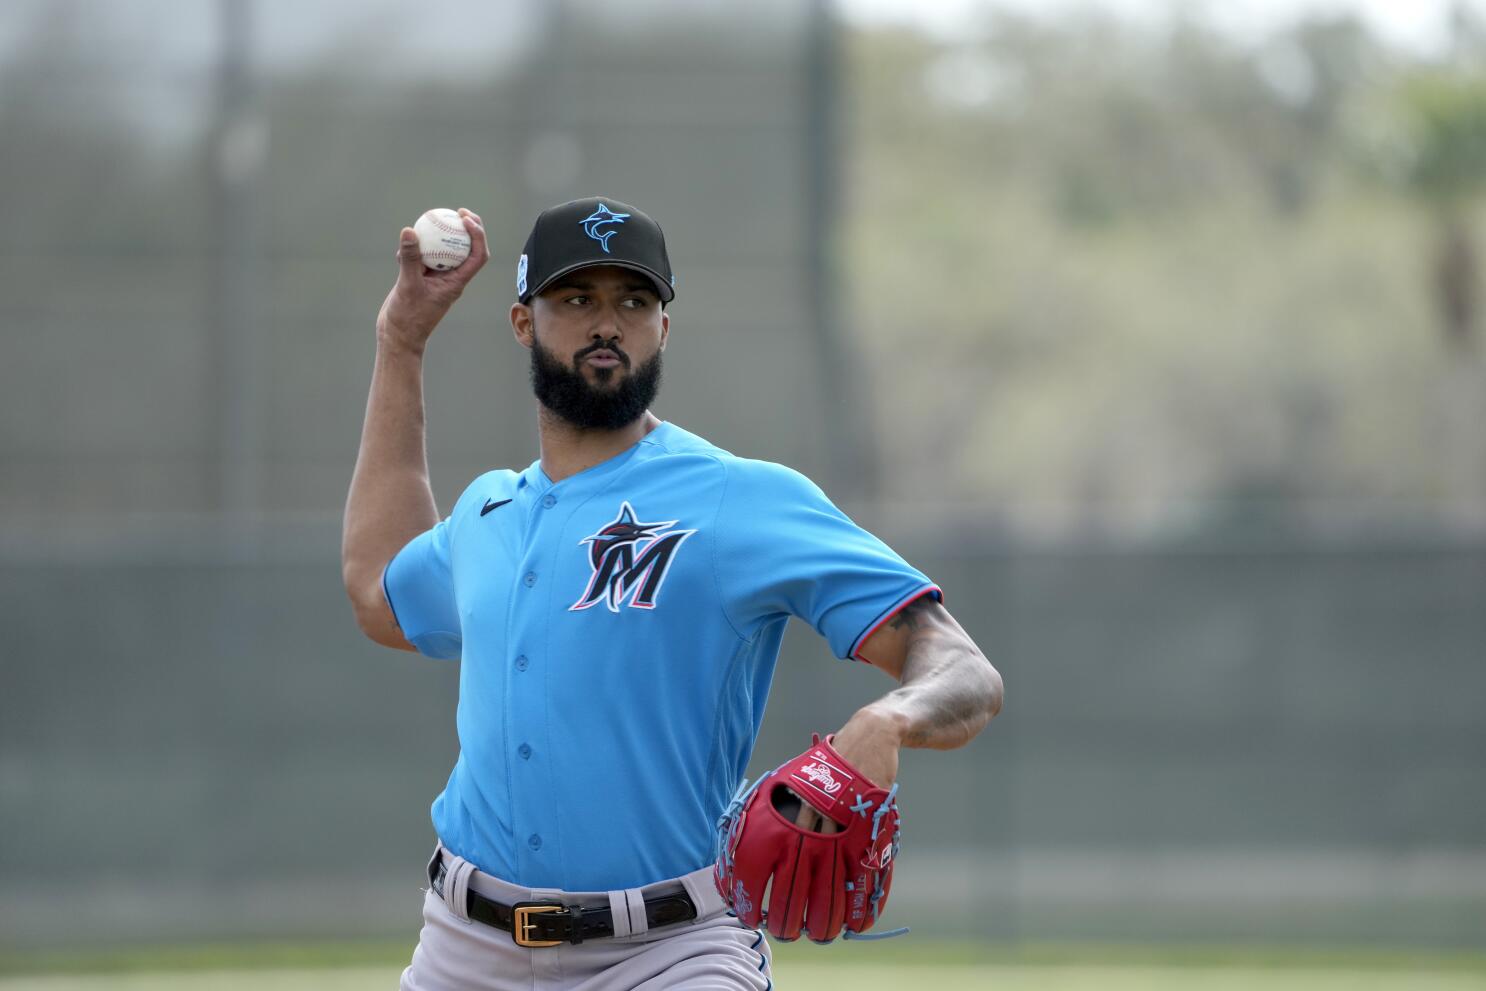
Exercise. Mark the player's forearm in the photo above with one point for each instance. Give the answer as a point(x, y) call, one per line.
point(947, 695)
point(947, 691)
point(390, 501)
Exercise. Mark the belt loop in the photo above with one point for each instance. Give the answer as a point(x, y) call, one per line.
point(639, 924)
point(457, 885)
point(703, 891)
point(619, 914)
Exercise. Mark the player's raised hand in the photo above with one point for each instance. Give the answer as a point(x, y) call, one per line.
point(421, 296)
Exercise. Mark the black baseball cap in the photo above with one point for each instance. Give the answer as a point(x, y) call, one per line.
point(596, 230)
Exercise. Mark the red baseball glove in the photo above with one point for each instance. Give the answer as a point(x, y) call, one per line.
point(822, 882)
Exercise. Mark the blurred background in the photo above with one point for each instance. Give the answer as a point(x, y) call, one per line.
point(1152, 331)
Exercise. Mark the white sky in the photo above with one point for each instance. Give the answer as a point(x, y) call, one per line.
point(1418, 24)
point(291, 30)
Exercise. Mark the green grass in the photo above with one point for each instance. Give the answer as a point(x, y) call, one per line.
point(849, 967)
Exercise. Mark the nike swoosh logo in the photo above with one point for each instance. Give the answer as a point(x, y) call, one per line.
point(493, 505)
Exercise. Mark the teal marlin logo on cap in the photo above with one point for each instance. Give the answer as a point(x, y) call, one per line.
point(602, 217)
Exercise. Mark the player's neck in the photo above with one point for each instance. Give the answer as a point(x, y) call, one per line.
point(567, 450)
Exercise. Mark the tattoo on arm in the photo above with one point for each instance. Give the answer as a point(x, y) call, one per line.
point(948, 689)
point(909, 618)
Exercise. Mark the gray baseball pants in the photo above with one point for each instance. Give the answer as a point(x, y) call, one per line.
point(714, 951)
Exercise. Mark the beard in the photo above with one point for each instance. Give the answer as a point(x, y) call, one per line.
point(565, 391)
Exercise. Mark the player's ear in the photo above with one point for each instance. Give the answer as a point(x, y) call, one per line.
point(521, 324)
point(665, 328)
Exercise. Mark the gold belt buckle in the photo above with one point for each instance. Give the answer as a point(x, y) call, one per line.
point(520, 925)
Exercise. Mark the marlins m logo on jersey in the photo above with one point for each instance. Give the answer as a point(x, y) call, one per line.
point(630, 560)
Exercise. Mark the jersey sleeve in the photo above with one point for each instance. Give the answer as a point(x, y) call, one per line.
point(419, 586)
point(783, 548)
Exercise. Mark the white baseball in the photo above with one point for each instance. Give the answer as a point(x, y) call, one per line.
point(442, 239)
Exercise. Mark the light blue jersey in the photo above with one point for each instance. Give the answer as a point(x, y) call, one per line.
point(617, 633)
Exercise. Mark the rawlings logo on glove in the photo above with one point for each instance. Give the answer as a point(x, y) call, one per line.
point(823, 883)
point(819, 775)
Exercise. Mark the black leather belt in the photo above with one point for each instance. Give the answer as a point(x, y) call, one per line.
point(553, 923)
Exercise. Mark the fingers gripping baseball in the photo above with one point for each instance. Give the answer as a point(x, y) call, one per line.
point(409, 257)
point(421, 297)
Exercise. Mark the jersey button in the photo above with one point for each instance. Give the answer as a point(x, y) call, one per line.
point(534, 841)
point(530, 579)
point(525, 751)
point(549, 501)
point(521, 663)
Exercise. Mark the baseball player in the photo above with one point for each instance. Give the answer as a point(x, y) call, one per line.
point(617, 608)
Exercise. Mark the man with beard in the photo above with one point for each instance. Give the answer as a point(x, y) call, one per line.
point(617, 609)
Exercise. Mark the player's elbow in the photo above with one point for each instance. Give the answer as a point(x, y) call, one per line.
point(369, 605)
point(984, 690)
point(380, 626)
point(982, 681)
point(972, 703)
point(995, 689)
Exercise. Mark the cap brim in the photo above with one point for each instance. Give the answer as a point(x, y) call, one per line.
point(662, 287)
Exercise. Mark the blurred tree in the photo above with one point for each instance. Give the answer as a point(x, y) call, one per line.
point(1143, 286)
point(1445, 135)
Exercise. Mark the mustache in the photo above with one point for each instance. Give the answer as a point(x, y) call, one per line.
point(602, 346)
